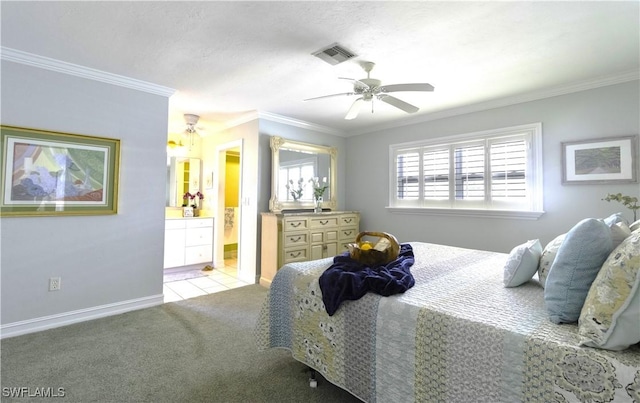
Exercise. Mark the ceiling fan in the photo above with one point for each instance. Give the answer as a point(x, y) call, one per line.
point(370, 88)
point(190, 132)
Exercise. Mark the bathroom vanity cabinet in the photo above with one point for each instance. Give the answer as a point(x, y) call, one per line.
point(188, 241)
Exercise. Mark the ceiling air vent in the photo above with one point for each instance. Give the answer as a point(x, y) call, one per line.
point(334, 54)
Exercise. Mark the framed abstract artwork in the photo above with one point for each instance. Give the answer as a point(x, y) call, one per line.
point(45, 173)
point(600, 161)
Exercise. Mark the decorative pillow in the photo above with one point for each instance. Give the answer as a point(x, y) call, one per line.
point(614, 219)
point(522, 263)
point(619, 232)
point(580, 257)
point(547, 258)
point(610, 317)
point(635, 225)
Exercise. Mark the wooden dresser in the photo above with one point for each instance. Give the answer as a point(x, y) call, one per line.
point(298, 237)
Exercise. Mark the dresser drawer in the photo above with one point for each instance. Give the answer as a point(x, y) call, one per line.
point(295, 239)
point(199, 236)
point(324, 236)
point(295, 255)
point(199, 222)
point(323, 222)
point(295, 224)
point(348, 234)
point(198, 254)
point(349, 219)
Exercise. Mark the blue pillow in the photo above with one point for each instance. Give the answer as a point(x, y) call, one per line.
point(579, 258)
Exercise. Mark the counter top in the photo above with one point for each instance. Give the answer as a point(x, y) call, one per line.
point(307, 212)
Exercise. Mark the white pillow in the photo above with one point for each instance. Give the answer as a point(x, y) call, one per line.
point(635, 225)
point(619, 232)
point(522, 263)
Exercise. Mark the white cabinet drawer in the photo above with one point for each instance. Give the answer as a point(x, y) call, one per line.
point(199, 236)
point(295, 224)
point(348, 234)
point(198, 254)
point(294, 239)
point(174, 224)
point(199, 222)
point(295, 255)
point(324, 222)
point(349, 219)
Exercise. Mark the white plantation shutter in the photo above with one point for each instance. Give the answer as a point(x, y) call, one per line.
point(509, 170)
point(468, 162)
point(499, 170)
point(408, 173)
point(435, 167)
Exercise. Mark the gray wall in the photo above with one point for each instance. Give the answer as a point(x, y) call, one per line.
point(102, 259)
point(602, 112)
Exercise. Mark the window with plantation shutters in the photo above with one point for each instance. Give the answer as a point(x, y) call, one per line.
point(493, 170)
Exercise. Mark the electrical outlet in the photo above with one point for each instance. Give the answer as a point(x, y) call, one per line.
point(54, 283)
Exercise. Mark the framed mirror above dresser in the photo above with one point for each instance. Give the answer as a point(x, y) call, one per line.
point(293, 230)
point(294, 166)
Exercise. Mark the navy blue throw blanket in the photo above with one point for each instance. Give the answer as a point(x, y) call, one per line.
point(348, 279)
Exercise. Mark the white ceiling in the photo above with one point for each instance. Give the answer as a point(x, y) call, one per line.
point(230, 59)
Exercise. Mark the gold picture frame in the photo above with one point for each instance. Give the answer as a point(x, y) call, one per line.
point(46, 173)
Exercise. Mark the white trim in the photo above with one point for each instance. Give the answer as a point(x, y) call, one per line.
point(534, 165)
point(479, 213)
point(29, 59)
point(81, 315)
point(300, 123)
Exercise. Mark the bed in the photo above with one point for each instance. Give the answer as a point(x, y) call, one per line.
point(457, 335)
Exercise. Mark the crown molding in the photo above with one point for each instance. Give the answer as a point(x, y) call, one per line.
point(30, 59)
point(631, 75)
point(300, 123)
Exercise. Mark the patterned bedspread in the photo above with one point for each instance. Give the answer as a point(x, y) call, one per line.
point(457, 336)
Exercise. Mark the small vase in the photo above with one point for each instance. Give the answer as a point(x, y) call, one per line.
point(318, 205)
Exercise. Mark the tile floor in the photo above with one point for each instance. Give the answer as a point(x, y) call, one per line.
point(218, 279)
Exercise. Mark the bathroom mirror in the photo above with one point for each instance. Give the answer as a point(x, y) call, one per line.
point(295, 164)
point(183, 175)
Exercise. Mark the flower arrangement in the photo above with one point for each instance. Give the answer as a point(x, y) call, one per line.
point(630, 202)
point(318, 187)
point(194, 202)
point(295, 193)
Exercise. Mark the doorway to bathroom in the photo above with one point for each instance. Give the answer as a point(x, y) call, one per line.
point(227, 245)
point(231, 208)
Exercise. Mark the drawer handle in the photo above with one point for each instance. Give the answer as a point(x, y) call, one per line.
point(325, 247)
point(348, 220)
point(324, 222)
point(295, 224)
point(295, 254)
point(295, 239)
point(347, 232)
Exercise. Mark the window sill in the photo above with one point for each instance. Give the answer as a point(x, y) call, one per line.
point(477, 213)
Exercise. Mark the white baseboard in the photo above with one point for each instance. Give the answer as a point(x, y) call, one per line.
point(81, 315)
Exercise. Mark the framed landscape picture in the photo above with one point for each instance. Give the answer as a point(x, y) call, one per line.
point(607, 160)
point(45, 173)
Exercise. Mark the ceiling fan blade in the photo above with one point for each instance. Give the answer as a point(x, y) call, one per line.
point(332, 95)
point(393, 101)
point(356, 83)
point(353, 111)
point(406, 87)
